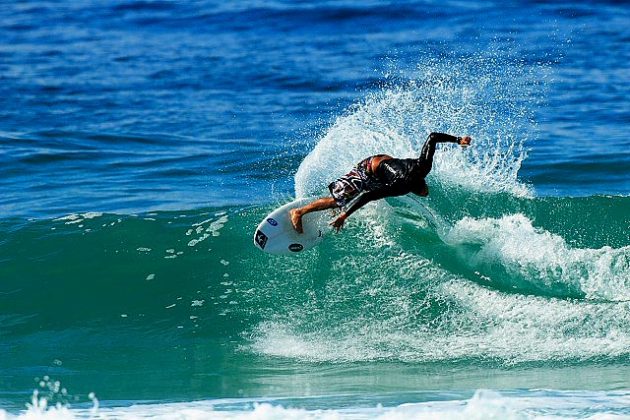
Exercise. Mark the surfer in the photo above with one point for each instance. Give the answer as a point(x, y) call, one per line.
point(377, 177)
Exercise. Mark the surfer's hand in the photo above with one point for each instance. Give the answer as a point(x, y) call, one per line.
point(465, 141)
point(337, 224)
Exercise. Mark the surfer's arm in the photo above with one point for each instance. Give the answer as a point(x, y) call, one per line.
point(429, 146)
point(443, 138)
point(447, 138)
point(359, 202)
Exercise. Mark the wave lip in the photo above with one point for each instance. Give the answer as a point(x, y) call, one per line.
point(544, 260)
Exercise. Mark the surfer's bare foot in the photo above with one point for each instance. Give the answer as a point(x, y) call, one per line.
point(296, 220)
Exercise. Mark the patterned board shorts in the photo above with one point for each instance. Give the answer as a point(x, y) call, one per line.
point(348, 187)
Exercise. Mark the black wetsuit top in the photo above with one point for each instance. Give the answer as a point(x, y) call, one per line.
point(395, 177)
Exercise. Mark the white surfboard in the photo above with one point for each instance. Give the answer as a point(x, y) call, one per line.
point(275, 234)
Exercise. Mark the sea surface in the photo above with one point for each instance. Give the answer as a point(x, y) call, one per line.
point(141, 142)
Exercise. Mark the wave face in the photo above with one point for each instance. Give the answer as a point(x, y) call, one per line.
point(505, 289)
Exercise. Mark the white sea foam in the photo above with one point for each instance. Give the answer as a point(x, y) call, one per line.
point(213, 229)
point(543, 258)
point(75, 218)
point(475, 323)
point(484, 404)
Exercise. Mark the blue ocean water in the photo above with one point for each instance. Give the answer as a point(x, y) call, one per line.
point(142, 141)
point(128, 106)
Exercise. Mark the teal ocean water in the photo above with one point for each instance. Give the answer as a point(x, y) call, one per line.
point(142, 142)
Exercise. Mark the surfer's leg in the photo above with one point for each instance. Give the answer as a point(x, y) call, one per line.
point(317, 205)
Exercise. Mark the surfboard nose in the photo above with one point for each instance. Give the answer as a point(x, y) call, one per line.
point(276, 235)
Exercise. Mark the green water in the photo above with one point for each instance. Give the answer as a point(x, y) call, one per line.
point(503, 292)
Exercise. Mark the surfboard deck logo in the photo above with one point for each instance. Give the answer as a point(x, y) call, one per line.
point(272, 221)
point(261, 239)
point(296, 247)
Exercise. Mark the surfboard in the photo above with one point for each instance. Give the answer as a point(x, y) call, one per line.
point(275, 233)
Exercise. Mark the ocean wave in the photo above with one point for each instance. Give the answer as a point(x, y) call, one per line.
point(395, 285)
